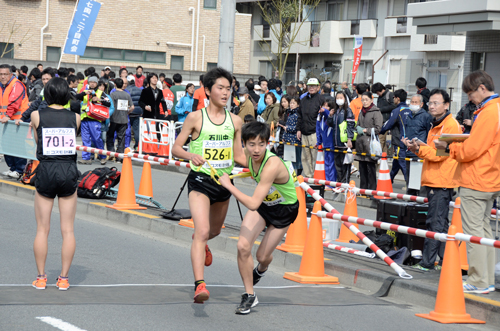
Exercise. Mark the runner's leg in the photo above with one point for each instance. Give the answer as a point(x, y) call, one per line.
point(266, 248)
point(251, 227)
point(43, 209)
point(67, 210)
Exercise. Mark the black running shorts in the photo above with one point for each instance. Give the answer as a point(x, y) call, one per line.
point(279, 216)
point(56, 178)
point(204, 184)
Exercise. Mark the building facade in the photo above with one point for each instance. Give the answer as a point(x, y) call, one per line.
point(163, 34)
point(393, 51)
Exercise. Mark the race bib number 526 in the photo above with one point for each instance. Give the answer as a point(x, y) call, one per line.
point(59, 141)
point(218, 153)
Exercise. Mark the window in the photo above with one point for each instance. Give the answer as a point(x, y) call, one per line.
point(315, 33)
point(437, 74)
point(210, 4)
point(335, 10)
point(401, 25)
point(266, 69)
point(211, 65)
point(477, 61)
point(114, 54)
point(176, 62)
point(354, 27)
point(430, 39)
point(53, 54)
point(367, 9)
point(7, 50)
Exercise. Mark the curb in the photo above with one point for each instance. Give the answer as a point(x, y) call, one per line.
point(371, 275)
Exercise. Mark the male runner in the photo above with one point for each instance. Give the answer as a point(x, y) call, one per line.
point(274, 204)
point(216, 138)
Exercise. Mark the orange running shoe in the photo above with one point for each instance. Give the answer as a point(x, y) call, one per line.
point(201, 294)
point(41, 282)
point(62, 283)
point(208, 256)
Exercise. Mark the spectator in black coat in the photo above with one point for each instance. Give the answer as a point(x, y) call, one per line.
point(135, 115)
point(421, 85)
point(385, 103)
point(465, 115)
point(151, 98)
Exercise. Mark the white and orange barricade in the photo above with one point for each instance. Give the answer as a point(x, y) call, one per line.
point(150, 130)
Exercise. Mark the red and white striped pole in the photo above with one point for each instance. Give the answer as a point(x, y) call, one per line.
point(349, 250)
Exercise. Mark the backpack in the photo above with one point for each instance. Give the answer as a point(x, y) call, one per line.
point(94, 184)
point(383, 241)
point(29, 173)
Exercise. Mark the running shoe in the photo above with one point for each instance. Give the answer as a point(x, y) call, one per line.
point(6, 173)
point(438, 267)
point(468, 288)
point(103, 161)
point(62, 283)
point(208, 256)
point(491, 288)
point(14, 174)
point(419, 267)
point(41, 282)
point(353, 169)
point(247, 301)
point(257, 275)
point(201, 294)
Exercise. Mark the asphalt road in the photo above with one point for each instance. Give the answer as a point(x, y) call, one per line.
point(153, 287)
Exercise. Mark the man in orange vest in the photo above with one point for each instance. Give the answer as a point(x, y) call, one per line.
point(13, 103)
point(478, 175)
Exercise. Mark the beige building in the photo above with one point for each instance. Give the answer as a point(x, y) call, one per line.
point(163, 34)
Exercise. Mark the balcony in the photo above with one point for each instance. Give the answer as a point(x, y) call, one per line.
point(398, 26)
point(261, 32)
point(437, 43)
point(364, 28)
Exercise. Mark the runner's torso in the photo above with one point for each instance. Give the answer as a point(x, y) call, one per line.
point(56, 135)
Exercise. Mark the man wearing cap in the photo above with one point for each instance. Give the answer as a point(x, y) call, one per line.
point(107, 70)
point(310, 104)
point(246, 105)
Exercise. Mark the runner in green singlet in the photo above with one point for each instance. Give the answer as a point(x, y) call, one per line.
point(274, 204)
point(216, 138)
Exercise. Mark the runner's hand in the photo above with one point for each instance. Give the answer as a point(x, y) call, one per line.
point(197, 160)
point(225, 181)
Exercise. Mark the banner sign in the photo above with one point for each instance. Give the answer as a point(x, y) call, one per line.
point(358, 49)
point(81, 27)
point(17, 140)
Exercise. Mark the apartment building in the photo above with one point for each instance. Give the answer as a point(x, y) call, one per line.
point(393, 50)
point(164, 34)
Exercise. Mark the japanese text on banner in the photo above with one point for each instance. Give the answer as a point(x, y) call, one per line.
point(81, 27)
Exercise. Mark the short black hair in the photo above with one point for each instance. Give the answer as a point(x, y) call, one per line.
point(162, 75)
point(24, 69)
point(36, 73)
point(188, 86)
point(63, 72)
point(119, 83)
point(368, 94)
point(151, 75)
point(326, 89)
point(378, 87)
point(262, 78)
point(401, 94)
point(13, 68)
point(201, 78)
point(48, 71)
point(168, 81)
point(90, 71)
point(249, 84)
point(5, 66)
point(71, 79)
point(213, 75)
point(121, 70)
point(421, 82)
point(112, 74)
point(71, 71)
point(102, 83)
point(444, 94)
point(139, 66)
point(362, 88)
point(255, 129)
point(39, 64)
point(296, 98)
point(57, 91)
point(248, 118)
point(272, 84)
point(330, 102)
point(80, 76)
point(178, 78)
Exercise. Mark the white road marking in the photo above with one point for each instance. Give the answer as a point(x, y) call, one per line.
point(59, 324)
point(181, 285)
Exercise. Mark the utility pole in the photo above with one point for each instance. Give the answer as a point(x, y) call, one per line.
point(226, 37)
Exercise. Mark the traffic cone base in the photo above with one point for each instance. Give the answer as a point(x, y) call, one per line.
point(312, 266)
point(450, 299)
point(127, 206)
point(325, 279)
point(187, 223)
point(350, 209)
point(297, 232)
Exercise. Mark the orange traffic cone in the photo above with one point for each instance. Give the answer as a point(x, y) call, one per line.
point(126, 190)
point(146, 185)
point(384, 178)
point(312, 266)
point(350, 209)
point(450, 300)
point(187, 223)
point(297, 232)
point(457, 221)
point(319, 169)
point(164, 150)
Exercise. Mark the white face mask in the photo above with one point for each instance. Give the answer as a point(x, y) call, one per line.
point(414, 108)
point(242, 99)
point(257, 92)
point(340, 102)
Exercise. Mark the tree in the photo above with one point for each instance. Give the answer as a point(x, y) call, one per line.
point(285, 19)
point(12, 31)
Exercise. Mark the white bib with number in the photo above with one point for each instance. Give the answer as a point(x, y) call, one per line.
point(218, 153)
point(59, 141)
point(122, 104)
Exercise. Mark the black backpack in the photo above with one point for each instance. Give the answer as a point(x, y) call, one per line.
point(383, 241)
point(94, 184)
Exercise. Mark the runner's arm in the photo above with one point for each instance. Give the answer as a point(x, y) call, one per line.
point(239, 155)
point(187, 129)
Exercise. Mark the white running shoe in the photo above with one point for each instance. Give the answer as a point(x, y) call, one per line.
point(14, 174)
point(353, 170)
point(6, 173)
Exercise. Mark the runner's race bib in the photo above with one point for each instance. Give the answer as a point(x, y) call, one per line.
point(218, 153)
point(122, 105)
point(274, 197)
point(59, 141)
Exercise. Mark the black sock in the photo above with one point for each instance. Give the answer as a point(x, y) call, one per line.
point(198, 282)
point(260, 273)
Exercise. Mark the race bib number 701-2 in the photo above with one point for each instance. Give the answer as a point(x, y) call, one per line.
point(59, 141)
